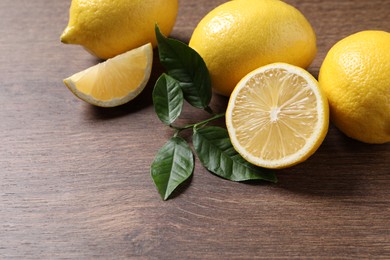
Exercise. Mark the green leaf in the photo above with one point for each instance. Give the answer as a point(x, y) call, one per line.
point(217, 154)
point(185, 65)
point(174, 163)
point(167, 99)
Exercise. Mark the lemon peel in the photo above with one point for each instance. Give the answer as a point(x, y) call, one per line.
point(107, 28)
point(355, 76)
point(242, 35)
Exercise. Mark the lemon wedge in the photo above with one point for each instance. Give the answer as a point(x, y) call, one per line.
point(115, 81)
point(277, 116)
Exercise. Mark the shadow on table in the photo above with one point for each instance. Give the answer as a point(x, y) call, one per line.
point(341, 167)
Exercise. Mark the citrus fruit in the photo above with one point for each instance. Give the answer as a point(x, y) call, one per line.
point(355, 76)
point(242, 35)
point(115, 81)
point(277, 116)
point(107, 28)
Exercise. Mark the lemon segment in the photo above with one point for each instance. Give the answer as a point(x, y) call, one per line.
point(277, 116)
point(115, 81)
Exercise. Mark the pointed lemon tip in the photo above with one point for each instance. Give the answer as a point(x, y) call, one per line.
point(64, 37)
point(67, 35)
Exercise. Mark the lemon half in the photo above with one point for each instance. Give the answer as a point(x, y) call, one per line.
point(115, 81)
point(277, 116)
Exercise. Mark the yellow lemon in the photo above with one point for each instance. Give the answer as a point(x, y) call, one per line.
point(109, 27)
point(355, 76)
point(242, 35)
point(277, 116)
point(115, 81)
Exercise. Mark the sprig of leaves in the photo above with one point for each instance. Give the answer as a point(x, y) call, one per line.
point(187, 79)
point(186, 66)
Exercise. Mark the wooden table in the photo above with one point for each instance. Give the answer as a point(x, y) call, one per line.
point(75, 181)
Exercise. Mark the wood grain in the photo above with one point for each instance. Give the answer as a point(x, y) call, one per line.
point(75, 182)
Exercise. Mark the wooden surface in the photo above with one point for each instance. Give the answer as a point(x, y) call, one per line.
point(75, 182)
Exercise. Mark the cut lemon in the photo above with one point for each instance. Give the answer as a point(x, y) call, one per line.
point(115, 81)
point(277, 116)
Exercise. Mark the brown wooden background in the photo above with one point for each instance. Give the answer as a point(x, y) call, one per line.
point(75, 182)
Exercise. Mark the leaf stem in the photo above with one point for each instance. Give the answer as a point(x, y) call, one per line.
point(204, 122)
point(196, 125)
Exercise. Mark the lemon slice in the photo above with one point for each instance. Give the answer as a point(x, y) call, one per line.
point(115, 81)
point(277, 116)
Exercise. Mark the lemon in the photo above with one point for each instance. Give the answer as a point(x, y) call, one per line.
point(277, 116)
point(242, 35)
point(110, 27)
point(355, 76)
point(115, 81)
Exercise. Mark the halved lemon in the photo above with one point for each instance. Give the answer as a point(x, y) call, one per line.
point(277, 116)
point(115, 81)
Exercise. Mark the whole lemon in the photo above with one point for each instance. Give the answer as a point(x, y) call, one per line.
point(355, 77)
point(107, 28)
point(242, 35)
